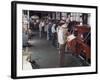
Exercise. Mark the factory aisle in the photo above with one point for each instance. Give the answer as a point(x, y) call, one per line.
point(47, 56)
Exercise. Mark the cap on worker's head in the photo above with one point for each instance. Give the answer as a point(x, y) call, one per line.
point(62, 21)
point(64, 26)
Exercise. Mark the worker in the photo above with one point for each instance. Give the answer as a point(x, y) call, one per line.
point(62, 38)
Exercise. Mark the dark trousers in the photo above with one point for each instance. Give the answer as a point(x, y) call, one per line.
point(54, 39)
point(62, 53)
point(49, 35)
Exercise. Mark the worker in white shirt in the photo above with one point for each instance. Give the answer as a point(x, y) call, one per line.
point(62, 38)
point(46, 30)
point(41, 28)
point(57, 30)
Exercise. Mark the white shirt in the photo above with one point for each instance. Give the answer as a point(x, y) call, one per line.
point(41, 25)
point(61, 35)
point(53, 28)
point(46, 28)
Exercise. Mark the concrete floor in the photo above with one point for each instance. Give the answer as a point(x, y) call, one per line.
point(47, 56)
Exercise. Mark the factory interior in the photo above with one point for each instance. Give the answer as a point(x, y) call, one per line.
point(41, 43)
